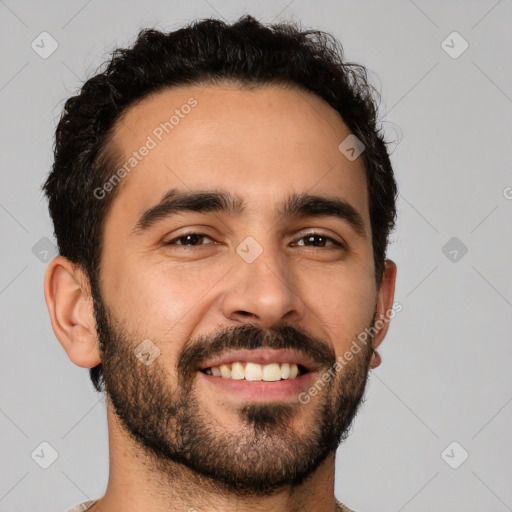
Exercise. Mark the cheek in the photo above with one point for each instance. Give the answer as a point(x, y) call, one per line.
point(343, 303)
point(163, 303)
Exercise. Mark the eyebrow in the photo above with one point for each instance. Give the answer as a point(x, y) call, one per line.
point(296, 205)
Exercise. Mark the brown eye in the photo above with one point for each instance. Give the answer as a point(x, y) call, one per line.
point(188, 240)
point(318, 240)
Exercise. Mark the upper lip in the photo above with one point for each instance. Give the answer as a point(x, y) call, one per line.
point(261, 356)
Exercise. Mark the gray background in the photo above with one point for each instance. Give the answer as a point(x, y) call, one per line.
point(446, 361)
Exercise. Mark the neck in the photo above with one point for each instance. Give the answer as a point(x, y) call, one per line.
point(140, 483)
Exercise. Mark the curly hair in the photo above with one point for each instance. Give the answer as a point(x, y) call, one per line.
point(206, 51)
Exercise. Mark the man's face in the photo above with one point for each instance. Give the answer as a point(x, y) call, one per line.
point(212, 285)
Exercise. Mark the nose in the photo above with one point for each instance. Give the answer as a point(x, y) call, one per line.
point(263, 292)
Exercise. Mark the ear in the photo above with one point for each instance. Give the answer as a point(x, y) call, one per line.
point(384, 309)
point(69, 301)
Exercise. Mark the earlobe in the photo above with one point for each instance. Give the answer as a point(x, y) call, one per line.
point(375, 360)
point(71, 311)
point(385, 299)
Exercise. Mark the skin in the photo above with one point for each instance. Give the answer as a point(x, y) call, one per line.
point(260, 144)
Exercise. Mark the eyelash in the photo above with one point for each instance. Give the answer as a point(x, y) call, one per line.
point(184, 235)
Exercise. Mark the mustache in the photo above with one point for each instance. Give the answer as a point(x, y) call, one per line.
point(251, 337)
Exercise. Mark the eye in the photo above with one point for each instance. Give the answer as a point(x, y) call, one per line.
point(310, 240)
point(189, 240)
point(318, 240)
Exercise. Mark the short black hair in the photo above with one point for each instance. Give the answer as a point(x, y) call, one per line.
point(210, 51)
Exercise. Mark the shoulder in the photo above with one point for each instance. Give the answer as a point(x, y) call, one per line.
point(343, 508)
point(81, 507)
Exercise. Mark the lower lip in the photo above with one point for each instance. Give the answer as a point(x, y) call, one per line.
point(262, 391)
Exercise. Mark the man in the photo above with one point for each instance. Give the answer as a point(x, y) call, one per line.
point(222, 201)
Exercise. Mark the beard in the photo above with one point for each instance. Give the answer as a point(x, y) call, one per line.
point(166, 420)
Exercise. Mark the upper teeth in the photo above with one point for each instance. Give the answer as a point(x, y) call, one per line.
point(254, 371)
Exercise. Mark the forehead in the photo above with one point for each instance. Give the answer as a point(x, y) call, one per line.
point(260, 143)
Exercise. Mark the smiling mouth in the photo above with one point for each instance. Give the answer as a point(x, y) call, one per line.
point(242, 370)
